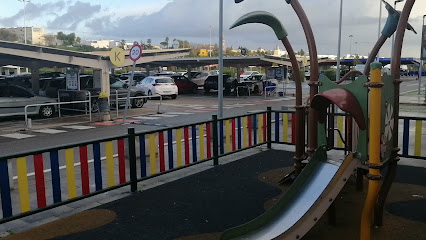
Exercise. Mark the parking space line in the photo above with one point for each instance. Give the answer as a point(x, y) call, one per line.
point(146, 118)
point(49, 131)
point(163, 115)
point(179, 113)
point(17, 135)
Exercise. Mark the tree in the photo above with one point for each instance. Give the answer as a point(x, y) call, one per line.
point(301, 52)
point(7, 35)
point(122, 44)
point(167, 41)
point(164, 44)
point(67, 39)
point(78, 40)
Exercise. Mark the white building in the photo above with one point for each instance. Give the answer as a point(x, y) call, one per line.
point(35, 35)
point(101, 43)
point(278, 52)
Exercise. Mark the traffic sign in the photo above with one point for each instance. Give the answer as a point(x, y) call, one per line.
point(117, 56)
point(135, 52)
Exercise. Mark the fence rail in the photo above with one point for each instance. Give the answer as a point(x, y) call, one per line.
point(34, 181)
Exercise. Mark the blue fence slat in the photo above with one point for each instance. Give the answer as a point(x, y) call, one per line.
point(406, 136)
point(142, 155)
point(239, 133)
point(97, 165)
point(6, 202)
point(170, 147)
point(222, 146)
point(255, 118)
point(56, 178)
point(277, 127)
point(194, 143)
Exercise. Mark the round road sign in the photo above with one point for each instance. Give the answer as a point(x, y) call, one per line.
point(117, 56)
point(135, 52)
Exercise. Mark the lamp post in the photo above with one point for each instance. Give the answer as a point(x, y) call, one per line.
point(25, 25)
point(350, 45)
point(210, 46)
point(393, 35)
point(421, 60)
point(380, 27)
point(339, 42)
point(220, 78)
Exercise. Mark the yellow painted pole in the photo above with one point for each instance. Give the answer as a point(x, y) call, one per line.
point(418, 139)
point(285, 127)
point(179, 147)
point(374, 150)
point(202, 156)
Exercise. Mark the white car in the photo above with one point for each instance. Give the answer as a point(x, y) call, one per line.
point(245, 75)
point(159, 85)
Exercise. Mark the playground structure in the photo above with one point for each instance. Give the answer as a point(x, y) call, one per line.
point(373, 104)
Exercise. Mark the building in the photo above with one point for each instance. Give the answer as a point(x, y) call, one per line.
point(52, 40)
point(278, 52)
point(102, 43)
point(35, 35)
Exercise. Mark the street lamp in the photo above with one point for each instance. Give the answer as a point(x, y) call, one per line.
point(339, 43)
point(380, 26)
point(25, 26)
point(421, 60)
point(350, 45)
point(210, 46)
point(220, 78)
point(393, 35)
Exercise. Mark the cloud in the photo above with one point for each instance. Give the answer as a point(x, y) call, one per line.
point(33, 11)
point(75, 14)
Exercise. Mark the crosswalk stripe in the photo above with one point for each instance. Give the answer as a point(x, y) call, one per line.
point(17, 135)
point(147, 118)
point(163, 115)
point(78, 127)
point(49, 131)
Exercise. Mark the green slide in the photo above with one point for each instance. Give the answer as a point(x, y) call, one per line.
point(303, 204)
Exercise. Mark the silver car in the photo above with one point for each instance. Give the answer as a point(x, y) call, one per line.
point(13, 100)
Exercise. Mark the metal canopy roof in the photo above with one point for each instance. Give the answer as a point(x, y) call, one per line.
point(349, 62)
point(265, 61)
point(25, 55)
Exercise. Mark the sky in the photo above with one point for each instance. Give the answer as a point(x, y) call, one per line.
point(192, 20)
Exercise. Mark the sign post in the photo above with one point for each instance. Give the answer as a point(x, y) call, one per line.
point(423, 55)
point(134, 55)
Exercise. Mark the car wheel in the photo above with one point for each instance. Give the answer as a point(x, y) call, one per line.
point(194, 90)
point(207, 90)
point(138, 102)
point(46, 111)
point(95, 107)
point(174, 96)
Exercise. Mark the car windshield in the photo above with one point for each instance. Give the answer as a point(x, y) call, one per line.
point(164, 80)
point(117, 84)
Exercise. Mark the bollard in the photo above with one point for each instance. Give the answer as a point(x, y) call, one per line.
point(103, 106)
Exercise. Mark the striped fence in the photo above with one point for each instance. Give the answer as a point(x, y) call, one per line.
point(36, 181)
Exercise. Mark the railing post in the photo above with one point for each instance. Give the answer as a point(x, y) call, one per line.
point(215, 141)
point(269, 128)
point(132, 159)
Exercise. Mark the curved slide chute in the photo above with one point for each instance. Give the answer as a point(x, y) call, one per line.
point(303, 204)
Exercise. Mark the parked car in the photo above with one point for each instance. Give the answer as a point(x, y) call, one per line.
point(200, 77)
point(254, 83)
point(247, 74)
point(184, 84)
point(230, 84)
point(138, 76)
point(159, 85)
point(13, 100)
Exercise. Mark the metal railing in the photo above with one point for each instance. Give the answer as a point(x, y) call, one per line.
point(88, 97)
point(149, 154)
point(27, 125)
point(265, 90)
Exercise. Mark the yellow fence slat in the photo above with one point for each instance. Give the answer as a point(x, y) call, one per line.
point(418, 139)
point(110, 163)
point(228, 135)
point(179, 147)
point(260, 128)
point(152, 154)
point(201, 132)
point(69, 159)
point(245, 135)
point(340, 120)
point(285, 127)
point(24, 196)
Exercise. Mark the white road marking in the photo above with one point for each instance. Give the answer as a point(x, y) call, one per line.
point(49, 131)
point(78, 127)
point(163, 115)
point(179, 113)
point(17, 135)
point(147, 118)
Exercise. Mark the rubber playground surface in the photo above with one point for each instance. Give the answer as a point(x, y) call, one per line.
point(205, 204)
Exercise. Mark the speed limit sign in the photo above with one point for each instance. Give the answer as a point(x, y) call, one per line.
point(135, 52)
